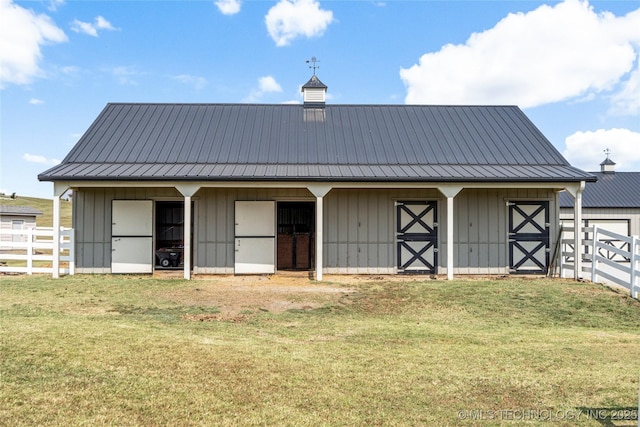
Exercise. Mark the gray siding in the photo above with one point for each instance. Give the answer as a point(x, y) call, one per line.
point(92, 222)
point(214, 222)
point(359, 226)
point(481, 228)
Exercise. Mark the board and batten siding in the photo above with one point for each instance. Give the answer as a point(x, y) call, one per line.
point(481, 228)
point(360, 229)
point(359, 226)
point(92, 222)
point(215, 223)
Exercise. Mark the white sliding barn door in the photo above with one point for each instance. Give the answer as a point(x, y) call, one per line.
point(132, 236)
point(255, 237)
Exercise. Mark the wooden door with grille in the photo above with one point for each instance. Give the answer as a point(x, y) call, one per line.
point(296, 223)
point(417, 237)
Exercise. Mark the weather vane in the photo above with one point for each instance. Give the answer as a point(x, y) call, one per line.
point(314, 61)
point(607, 152)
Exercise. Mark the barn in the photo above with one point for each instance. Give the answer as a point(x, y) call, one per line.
point(330, 189)
point(613, 202)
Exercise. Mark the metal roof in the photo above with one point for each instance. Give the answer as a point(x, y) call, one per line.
point(314, 82)
point(612, 190)
point(19, 210)
point(336, 143)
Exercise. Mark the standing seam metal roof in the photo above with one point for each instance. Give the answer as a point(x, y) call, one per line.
point(612, 190)
point(375, 142)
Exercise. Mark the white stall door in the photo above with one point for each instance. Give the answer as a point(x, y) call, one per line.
point(255, 237)
point(132, 236)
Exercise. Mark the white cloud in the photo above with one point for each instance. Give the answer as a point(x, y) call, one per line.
point(585, 150)
point(195, 81)
point(91, 28)
point(627, 101)
point(550, 54)
point(55, 4)
point(125, 75)
point(266, 84)
point(229, 7)
point(36, 101)
point(290, 19)
point(269, 84)
point(35, 158)
point(22, 33)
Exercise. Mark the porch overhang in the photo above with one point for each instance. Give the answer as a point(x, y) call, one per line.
point(190, 189)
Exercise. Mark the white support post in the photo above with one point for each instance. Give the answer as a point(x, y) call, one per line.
point(58, 191)
point(186, 247)
point(319, 239)
point(450, 192)
point(577, 234)
point(449, 238)
point(319, 190)
point(55, 272)
point(187, 190)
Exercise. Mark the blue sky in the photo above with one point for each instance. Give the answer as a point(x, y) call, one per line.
point(572, 66)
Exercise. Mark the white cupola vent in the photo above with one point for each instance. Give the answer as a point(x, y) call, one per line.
point(607, 165)
point(314, 93)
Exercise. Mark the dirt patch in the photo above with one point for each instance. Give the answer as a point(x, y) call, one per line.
point(238, 298)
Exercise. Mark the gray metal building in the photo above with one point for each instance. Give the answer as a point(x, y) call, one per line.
point(613, 202)
point(355, 189)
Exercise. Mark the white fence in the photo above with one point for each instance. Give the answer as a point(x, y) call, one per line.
point(606, 256)
point(32, 248)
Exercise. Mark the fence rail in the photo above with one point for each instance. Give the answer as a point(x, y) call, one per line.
point(33, 248)
point(605, 255)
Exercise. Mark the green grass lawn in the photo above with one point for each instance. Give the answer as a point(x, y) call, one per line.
point(127, 350)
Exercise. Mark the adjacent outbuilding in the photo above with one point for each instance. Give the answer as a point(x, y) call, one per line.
point(349, 189)
point(612, 203)
point(17, 218)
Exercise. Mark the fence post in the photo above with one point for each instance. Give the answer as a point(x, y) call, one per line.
point(29, 250)
point(561, 252)
point(72, 251)
point(635, 287)
point(594, 255)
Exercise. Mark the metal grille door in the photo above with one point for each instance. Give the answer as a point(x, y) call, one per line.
point(295, 235)
point(417, 237)
point(529, 237)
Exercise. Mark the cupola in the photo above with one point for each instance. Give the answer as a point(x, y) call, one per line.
point(607, 165)
point(314, 93)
